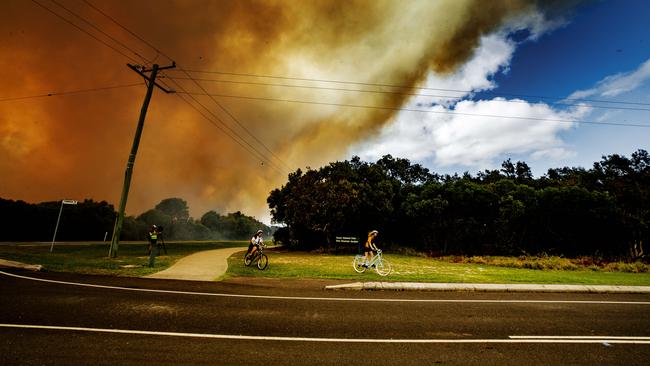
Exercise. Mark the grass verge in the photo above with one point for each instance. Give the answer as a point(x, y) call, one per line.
point(92, 258)
point(283, 264)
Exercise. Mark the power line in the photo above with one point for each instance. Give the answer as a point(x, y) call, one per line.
point(126, 29)
point(404, 87)
point(143, 58)
point(136, 61)
point(200, 86)
point(391, 92)
point(253, 152)
point(240, 124)
point(68, 92)
point(222, 130)
point(85, 31)
point(424, 110)
point(99, 30)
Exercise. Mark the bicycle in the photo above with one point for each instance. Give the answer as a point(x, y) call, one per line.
point(259, 257)
point(381, 265)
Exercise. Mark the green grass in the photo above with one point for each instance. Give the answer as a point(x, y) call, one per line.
point(92, 258)
point(284, 264)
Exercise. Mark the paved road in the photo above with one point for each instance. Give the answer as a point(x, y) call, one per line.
point(296, 322)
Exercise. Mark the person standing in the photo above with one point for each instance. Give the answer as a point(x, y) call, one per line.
point(153, 244)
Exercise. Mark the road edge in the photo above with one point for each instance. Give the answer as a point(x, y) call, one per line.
point(11, 264)
point(488, 287)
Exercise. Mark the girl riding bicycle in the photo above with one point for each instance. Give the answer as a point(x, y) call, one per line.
point(370, 248)
point(255, 242)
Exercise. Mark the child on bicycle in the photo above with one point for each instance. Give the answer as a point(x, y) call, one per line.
point(255, 243)
point(370, 248)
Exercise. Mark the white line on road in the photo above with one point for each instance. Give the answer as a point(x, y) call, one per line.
point(581, 337)
point(326, 298)
point(611, 340)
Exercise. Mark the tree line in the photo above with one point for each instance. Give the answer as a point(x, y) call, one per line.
point(93, 221)
point(602, 211)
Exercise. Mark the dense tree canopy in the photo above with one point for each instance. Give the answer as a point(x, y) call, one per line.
point(568, 211)
point(603, 210)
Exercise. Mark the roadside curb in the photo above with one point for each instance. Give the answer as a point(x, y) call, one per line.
point(488, 287)
point(11, 264)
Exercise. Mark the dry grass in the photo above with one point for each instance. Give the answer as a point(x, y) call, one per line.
point(552, 263)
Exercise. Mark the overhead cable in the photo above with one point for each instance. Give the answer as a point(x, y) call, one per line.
point(449, 97)
point(406, 87)
point(85, 31)
point(228, 131)
point(99, 30)
point(68, 92)
point(200, 86)
point(451, 112)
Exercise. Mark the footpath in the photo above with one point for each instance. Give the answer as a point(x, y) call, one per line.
point(212, 264)
point(202, 266)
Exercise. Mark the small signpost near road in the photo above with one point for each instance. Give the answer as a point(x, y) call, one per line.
point(63, 202)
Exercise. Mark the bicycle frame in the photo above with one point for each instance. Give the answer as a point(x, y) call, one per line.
point(376, 258)
point(258, 252)
point(258, 257)
point(381, 266)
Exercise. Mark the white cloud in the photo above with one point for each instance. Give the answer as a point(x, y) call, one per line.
point(555, 153)
point(467, 136)
point(492, 56)
point(536, 23)
point(467, 133)
point(617, 84)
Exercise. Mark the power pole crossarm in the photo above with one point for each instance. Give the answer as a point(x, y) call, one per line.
point(142, 71)
point(151, 82)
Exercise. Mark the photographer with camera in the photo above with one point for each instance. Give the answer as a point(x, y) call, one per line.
point(153, 244)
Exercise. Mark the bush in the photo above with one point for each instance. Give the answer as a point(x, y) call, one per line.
point(546, 262)
point(635, 267)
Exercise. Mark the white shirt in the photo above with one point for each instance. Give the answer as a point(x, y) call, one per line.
point(257, 240)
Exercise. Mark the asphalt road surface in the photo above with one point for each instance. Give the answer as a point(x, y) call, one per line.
point(127, 321)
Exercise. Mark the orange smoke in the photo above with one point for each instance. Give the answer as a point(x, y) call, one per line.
point(76, 146)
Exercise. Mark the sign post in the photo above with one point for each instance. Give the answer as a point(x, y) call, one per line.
point(64, 202)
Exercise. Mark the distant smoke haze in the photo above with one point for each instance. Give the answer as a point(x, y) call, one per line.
point(76, 146)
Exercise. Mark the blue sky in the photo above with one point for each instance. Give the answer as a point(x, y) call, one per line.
point(598, 51)
point(600, 39)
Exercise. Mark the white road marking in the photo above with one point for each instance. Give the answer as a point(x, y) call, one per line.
point(582, 337)
point(326, 298)
point(613, 340)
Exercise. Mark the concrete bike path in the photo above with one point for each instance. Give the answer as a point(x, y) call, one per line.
point(202, 266)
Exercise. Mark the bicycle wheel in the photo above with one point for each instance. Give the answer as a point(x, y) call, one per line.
point(262, 262)
point(383, 267)
point(247, 260)
point(357, 264)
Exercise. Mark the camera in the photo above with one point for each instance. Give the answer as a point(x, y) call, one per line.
point(159, 229)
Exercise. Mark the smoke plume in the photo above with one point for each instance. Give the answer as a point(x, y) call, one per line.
point(76, 145)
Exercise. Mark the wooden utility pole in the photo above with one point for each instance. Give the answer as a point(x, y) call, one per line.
point(151, 82)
